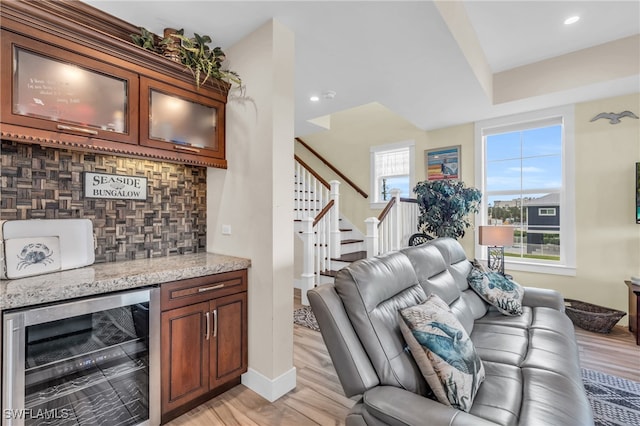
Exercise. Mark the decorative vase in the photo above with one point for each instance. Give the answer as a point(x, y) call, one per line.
point(171, 49)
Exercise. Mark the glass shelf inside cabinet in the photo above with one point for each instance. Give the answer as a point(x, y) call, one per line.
point(90, 369)
point(182, 122)
point(53, 90)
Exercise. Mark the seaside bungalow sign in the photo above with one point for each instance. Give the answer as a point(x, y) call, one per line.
point(103, 185)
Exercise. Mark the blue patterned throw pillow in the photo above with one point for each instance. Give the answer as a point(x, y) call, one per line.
point(443, 351)
point(497, 290)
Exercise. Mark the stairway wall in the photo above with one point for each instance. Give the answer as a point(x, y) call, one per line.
point(347, 146)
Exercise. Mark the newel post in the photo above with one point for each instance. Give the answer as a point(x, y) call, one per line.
point(396, 221)
point(308, 275)
point(372, 236)
point(335, 249)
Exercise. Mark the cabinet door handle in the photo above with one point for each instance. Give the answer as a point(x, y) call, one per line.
point(77, 129)
point(214, 287)
point(186, 148)
point(206, 315)
point(215, 323)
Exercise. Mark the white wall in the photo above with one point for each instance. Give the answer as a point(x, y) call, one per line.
point(254, 197)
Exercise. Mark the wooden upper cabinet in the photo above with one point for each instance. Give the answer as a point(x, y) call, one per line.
point(51, 88)
point(72, 78)
point(181, 120)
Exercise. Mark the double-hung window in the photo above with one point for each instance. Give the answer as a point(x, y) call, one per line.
point(391, 168)
point(525, 170)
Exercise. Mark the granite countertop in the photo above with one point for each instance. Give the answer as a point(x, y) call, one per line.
point(114, 276)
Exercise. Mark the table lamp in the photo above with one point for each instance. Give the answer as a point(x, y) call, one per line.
point(496, 238)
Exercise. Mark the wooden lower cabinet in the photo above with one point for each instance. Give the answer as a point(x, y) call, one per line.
point(204, 344)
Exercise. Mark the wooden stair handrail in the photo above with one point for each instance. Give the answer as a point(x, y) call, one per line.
point(313, 172)
point(386, 210)
point(332, 167)
point(323, 212)
point(390, 205)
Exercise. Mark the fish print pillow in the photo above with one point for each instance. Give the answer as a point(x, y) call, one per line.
point(443, 351)
point(497, 290)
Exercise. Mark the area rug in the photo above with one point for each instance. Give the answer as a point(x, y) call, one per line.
point(615, 401)
point(304, 316)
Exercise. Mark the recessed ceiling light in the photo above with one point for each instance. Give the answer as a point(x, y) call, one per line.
point(314, 98)
point(571, 20)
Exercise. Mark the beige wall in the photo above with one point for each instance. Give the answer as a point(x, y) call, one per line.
point(462, 135)
point(347, 145)
point(607, 238)
point(254, 195)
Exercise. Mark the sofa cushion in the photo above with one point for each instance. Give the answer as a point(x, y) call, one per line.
point(455, 258)
point(443, 351)
point(431, 270)
point(499, 343)
point(496, 289)
point(372, 291)
point(553, 399)
point(500, 397)
point(494, 316)
point(552, 351)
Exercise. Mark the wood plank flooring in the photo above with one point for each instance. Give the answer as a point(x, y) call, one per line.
point(318, 398)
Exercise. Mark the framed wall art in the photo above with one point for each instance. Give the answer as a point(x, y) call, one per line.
point(442, 163)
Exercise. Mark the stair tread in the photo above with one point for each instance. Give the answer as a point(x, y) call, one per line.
point(329, 273)
point(351, 241)
point(351, 257)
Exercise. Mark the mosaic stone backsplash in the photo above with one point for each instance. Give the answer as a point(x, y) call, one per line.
point(46, 183)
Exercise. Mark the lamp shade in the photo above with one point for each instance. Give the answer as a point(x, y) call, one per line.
point(500, 236)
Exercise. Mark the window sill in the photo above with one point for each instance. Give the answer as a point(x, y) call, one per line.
point(540, 268)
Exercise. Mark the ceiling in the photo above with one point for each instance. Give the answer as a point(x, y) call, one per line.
point(405, 55)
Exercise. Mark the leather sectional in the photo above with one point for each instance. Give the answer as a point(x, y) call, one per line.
point(531, 361)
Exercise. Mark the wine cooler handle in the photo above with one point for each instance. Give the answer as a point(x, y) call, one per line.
point(208, 325)
point(215, 323)
point(9, 367)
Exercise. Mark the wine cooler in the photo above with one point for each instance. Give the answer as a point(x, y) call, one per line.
point(87, 362)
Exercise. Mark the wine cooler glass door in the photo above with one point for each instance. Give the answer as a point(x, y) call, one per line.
point(85, 362)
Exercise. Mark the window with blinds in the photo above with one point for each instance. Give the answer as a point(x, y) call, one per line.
point(391, 168)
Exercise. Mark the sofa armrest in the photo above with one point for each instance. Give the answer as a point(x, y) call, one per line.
point(396, 406)
point(542, 297)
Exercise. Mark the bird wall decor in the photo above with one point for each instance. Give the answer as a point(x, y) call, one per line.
point(613, 117)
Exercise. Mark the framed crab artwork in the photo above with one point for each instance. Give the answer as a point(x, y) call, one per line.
point(31, 256)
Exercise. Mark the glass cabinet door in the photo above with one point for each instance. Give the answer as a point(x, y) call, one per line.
point(181, 120)
point(54, 89)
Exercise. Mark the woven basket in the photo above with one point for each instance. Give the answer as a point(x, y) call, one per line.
point(592, 317)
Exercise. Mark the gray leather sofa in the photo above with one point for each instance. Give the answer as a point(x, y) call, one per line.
point(531, 361)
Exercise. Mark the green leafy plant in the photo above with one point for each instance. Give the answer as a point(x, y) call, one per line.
point(194, 53)
point(444, 207)
point(203, 61)
point(147, 40)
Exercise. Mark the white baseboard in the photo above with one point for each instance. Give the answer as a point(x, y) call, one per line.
point(270, 389)
point(297, 283)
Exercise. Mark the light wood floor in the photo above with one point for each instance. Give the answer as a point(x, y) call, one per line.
point(318, 398)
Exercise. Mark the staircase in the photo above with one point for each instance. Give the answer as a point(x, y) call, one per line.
point(330, 241)
point(311, 196)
